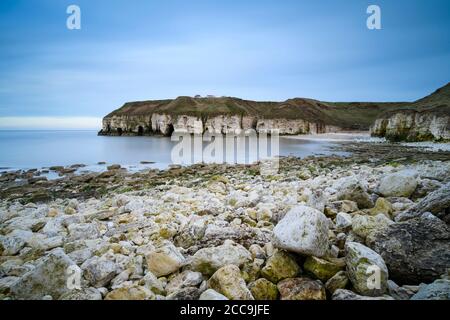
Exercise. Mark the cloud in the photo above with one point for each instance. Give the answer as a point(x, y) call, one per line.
point(50, 123)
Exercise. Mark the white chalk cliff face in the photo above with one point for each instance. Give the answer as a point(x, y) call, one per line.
point(413, 126)
point(165, 124)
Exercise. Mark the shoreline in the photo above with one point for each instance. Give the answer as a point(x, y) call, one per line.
point(141, 235)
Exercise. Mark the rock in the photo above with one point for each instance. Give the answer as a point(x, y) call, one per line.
point(338, 281)
point(346, 206)
point(304, 174)
point(366, 269)
point(363, 226)
point(130, 293)
point(437, 202)
point(80, 256)
point(303, 230)
point(6, 283)
point(263, 289)
point(73, 203)
point(150, 281)
point(399, 293)
point(192, 231)
point(165, 260)
point(323, 269)
point(301, 289)
point(342, 294)
point(70, 211)
point(343, 221)
point(399, 184)
point(49, 277)
point(438, 290)
point(279, 266)
point(183, 280)
point(113, 167)
point(425, 187)
point(351, 188)
point(252, 270)
point(99, 271)
point(416, 250)
point(209, 260)
point(83, 231)
point(228, 281)
point(83, 294)
point(189, 293)
point(211, 294)
point(382, 206)
point(257, 252)
point(11, 244)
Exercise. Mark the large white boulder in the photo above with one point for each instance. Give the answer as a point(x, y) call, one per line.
point(208, 260)
point(50, 277)
point(399, 184)
point(303, 230)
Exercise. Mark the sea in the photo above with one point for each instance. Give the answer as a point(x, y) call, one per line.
point(45, 148)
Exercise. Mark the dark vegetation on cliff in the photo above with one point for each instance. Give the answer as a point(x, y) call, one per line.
point(348, 115)
point(437, 103)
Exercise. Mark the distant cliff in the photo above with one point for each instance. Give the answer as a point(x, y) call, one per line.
point(222, 114)
point(427, 119)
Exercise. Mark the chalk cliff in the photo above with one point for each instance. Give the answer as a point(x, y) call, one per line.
point(425, 119)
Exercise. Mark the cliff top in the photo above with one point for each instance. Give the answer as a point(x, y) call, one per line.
point(351, 115)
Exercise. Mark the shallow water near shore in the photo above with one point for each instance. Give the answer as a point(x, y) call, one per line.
point(42, 149)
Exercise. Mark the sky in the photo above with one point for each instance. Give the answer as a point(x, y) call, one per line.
point(53, 77)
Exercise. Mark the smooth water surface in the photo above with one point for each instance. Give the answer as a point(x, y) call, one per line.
point(40, 149)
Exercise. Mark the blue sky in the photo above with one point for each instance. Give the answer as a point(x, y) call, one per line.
point(261, 50)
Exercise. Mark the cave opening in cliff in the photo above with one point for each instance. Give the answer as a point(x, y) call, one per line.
point(170, 130)
point(140, 131)
point(119, 131)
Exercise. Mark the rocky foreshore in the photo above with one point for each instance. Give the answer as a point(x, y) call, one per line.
point(322, 228)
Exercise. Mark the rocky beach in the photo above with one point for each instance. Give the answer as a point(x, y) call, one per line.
point(371, 226)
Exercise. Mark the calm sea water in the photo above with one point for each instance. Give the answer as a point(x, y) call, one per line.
point(40, 149)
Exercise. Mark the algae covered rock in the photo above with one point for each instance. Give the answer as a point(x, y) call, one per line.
point(323, 269)
point(263, 289)
point(363, 226)
point(228, 281)
point(366, 270)
point(382, 206)
point(279, 266)
point(208, 260)
point(338, 281)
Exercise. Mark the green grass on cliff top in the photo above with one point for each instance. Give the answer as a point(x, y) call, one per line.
point(351, 115)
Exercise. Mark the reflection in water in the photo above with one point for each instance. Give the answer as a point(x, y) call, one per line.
point(37, 149)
